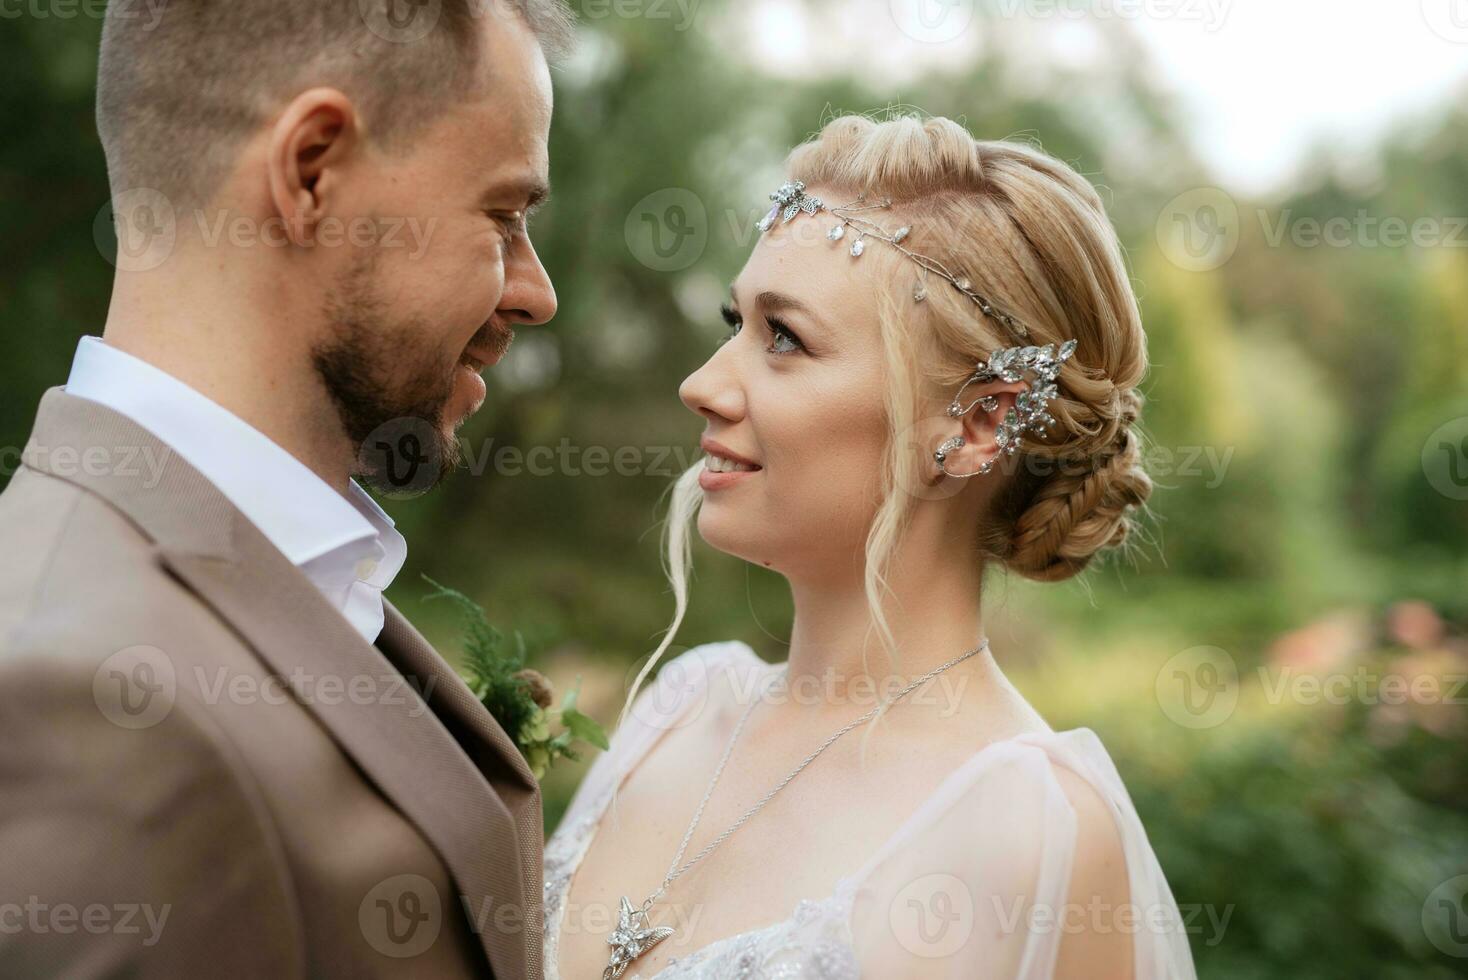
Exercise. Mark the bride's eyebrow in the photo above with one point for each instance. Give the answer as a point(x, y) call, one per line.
point(773, 301)
point(782, 303)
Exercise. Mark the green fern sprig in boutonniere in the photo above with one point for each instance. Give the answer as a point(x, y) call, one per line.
point(518, 696)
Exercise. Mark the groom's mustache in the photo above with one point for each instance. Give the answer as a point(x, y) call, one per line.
point(491, 342)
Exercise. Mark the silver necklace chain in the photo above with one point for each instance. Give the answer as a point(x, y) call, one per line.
point(729, 750)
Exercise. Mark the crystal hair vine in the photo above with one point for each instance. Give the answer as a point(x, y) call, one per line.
point(791, 200)
point(1009, 364)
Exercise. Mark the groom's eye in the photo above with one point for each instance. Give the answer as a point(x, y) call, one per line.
point(511, 221)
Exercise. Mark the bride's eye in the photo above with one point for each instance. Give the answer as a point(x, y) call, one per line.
point(784, 339)
point(731, 317)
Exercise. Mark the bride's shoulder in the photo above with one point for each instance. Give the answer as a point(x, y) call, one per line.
point(1067, 784)
point(1073, 761)
point(736, 651)
point(703, 672)
point(708, 664)
point(1093, 824)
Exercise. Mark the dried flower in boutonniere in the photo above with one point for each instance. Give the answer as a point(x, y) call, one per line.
point(518, 696)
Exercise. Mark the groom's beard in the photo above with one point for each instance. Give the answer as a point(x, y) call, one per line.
point(390, 386)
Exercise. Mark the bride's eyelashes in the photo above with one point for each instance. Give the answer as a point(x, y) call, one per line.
point(783, 340)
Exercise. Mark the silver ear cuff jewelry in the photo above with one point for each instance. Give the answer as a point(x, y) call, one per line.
point(1027, 415)
point(1008, 364)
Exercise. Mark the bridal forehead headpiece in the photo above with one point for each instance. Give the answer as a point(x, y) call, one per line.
point(1008, 364)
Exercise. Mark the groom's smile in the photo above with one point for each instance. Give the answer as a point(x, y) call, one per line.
point(487, 348)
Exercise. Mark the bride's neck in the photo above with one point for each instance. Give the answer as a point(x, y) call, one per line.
point(934, 615)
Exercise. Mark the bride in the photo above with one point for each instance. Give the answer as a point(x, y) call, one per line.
point(931, 372)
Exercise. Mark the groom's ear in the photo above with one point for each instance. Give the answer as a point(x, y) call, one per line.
point(310, 141)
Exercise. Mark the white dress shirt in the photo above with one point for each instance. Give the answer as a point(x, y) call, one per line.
point(346, 545)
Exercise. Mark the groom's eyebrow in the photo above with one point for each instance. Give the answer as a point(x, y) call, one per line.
point(536, 195)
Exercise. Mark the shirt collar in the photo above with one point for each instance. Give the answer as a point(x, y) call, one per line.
point(292, 506)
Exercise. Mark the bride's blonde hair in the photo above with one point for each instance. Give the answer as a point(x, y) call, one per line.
point(1032, 236)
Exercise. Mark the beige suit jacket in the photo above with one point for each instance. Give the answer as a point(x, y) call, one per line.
point(206, 771)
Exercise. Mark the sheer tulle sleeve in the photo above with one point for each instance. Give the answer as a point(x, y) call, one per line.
point(1029, 857)
point(668, 701)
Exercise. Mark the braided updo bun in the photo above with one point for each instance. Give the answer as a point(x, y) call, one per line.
point(1032, 236)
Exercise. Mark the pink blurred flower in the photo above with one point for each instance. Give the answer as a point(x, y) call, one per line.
point(1414, 623)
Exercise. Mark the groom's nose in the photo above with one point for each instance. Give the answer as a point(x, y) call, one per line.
point(529, 296)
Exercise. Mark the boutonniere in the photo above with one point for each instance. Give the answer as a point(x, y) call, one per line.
point(519, 696)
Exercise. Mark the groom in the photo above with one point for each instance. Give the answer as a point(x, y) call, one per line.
point(222, 752)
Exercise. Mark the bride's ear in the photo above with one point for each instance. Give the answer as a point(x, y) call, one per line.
point(977, 426)
point(309, 144)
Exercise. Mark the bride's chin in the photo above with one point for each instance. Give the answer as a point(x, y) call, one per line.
point(724, 535)
point(715, 530)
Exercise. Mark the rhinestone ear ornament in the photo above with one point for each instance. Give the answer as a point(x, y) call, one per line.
point(1028, 414)
point(941, 455)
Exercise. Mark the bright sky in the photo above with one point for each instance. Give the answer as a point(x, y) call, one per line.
point(1281, 72)
point(1261, 79)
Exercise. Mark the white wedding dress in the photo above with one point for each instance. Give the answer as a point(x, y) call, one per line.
point(998, 827)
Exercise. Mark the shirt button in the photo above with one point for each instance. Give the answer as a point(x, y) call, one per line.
point(365, 568)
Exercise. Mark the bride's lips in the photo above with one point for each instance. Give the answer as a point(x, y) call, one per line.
point(709, 480)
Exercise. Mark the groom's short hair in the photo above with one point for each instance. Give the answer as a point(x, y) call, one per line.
point(180, 82)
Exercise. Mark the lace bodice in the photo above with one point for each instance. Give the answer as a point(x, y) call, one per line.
point(973, 884)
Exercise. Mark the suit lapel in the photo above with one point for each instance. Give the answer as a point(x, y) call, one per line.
point(407, 750)
point(475, 728)
point(491, 749)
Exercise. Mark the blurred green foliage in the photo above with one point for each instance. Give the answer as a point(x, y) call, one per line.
point(1312, 374)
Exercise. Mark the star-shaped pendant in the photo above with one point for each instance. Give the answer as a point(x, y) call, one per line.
point(629, 941)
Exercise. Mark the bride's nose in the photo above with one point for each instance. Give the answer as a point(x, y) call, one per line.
point(714, 390)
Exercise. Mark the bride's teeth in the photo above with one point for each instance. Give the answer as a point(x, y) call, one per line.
point(718, 464)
